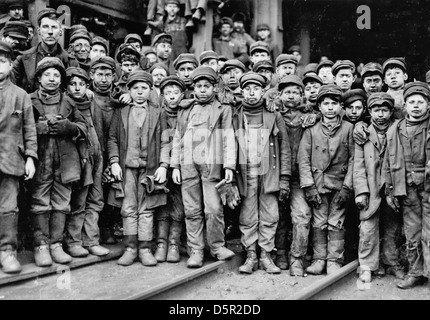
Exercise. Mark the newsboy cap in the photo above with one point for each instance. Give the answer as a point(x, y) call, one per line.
point(263, 26)
point(372, 68)
point(263, 64)
point(380, 98)
point(172, 2)
point(291, 79)
point(19, 4)
point(417, 87)
point(342, 64)
point(227, 20)
point(294, 48)
point(232, 63)
point(353, 95)
point(162, 37)
point(204, 72)
point(172, 80)
point(16, 29)
point(103, 62)
point(329, 90)
point(325, 63)
point(207, 55)
point(101, 41)
point(185, 58)
point(47, 12)
point(259, 46)
point(50, 62)
point(133, 36)
point(254, 78)
point(399, 62)
point(310, 68)
point(77, 72)
point(139, 76)
point(126, 49)
point(286, 58)
point(311, 77)
point(80, 34)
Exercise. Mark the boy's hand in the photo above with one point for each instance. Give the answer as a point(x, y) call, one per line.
point(42, 127)
point(284, 193)
point(342, 197)
point(30, 169)
point(362, 201)
point(228, 176)
point(160, 175)
point(63, 127)
point(360, 133)
point(116, 171)
point(125, 98)
point(312, 197)
point(176, 176)
point(89, 94)
point(392, 199)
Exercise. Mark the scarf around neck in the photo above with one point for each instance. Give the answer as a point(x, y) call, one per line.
point(382, 128)
point(411, 122)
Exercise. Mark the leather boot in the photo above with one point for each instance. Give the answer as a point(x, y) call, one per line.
point(77, 251)
point(281, 260)
point(317, 267)
point(296, 267)
point(319, 242)
point(9, 262)
point(410, 282)
point(365, 274)
point(146, 257)
point(42, 256)
point(335, 249)
point(98, 250)
point(266, 263)
point(58, 254)
point(196, 258)
point(251, 263)
point(130, 253)
point(222, 253)
point(173, 254)
point(332, 267)
point(162, 234)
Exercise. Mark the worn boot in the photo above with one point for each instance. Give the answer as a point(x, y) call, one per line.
point(145, 254)
point(410, 282)
point(222, 253)
point(173, 254)
point(365, 274)
point(130, 253)
point(296, 267)
point(58, 254)
point(319, 241)
point(196, 258)
point(266, 263)
point(251, 263)
point(162, 234)
point(42, 256)
point(335, 250)
point(77, 251)
point(281, 260)
point(98, 250)
point(333, 266)
point(9, 242)
point(9, 262)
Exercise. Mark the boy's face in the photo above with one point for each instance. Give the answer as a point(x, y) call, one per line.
point(311, 90)
point(163, 50)
point(326, 75)
point(263, 34)
point(128, 67)
point(291, 96)
point(381, 114)
point(286, 69)
point(416, 105)
point(372, 84)
point(354, 111)
point(136, 45)
point(184, 72)
point(395, 78)
point(82, 49)
point(102, 78)
point(97, 51)
point(204, 90)
point(50, 79)
point(266, 73)
point(49, 31)
point(238, 26)
point(252, 93)
point(259, 56)
point(231, 77)
point(226, 30)
point(139, 92)
point(158, 74)
point(16, 13)
point(171, 9)
point(5, 67)
point(14, 42)
point(76, 88)
point(330, 108)
point(173, 95)
point(344, 79)
point(212, 63)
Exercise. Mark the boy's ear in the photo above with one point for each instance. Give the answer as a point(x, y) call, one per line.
point(405, 76)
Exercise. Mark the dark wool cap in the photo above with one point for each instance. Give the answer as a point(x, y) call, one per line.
point(185, 58)
point(172, 2)
point(133, 37)
point(254, 78)
point(159, 65)
point(16, 29)
point(48, 12)
point(172, 80)
point(77, 72)
point(263, 26)
point(285, 58)
point(16, 5)
point(162, 37)
point(239, 17)
point(329, 90)
point(294, 48)
point(311, 77)
point(227, 20)
point(101, 41)
point(399, 62)
point(291, 79)
point(380, 98)
point(259, 46)
point(353, 95)
point(206, 73)
point(127, 49)
point(139, 76)
point(50, 62)
point(80, 34)
point(325, 63)
point(232, 63)
point(207, 55)
point(342, 64)
point(417, 87)
point(371, 68)
point(310, 68)
point(263, 64)
point(106, 62)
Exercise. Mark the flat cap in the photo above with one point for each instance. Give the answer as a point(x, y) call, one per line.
point(342, 64)
point(80, 34)
point(133, 37)
point(259, 46)
point(50, 62)
point(77, 27)
point(77, 72)
point(372, 68)
point(325, 63)
point(172, 2)
point(206, 73)
point(428, 76)
point(329, 90)
point(417, 87)
point(263, 64)
point(28, 23)
point(222, 58)
point(252, 78)
point(232, 63)
point(162, 37)
point(139, 76)
point(172, 80)
point(16, 29)
point(311, 77)
point(227, 20)
point(159, 65)
point(263, 26)
point(103, 62)
point(294, 48)
point(291, 79)
point(16, 5)
point(126, 49)
point(101, 41)
point(239, 16)
point(399, 62)
point(47, 12)
point(286, 58)
point(148, 51)
point(5, 47)
point(207, 55)
point(185, 58)
point(380, 98)
point(353, 95)
point(310, 68)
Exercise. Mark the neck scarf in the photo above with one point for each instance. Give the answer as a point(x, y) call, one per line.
point(209, 100)
point(49, 97)
point(382, 128)
point(411, 122)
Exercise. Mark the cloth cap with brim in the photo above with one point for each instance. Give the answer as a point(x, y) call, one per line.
point(16, 29)
point(353, 95)
point(162, 37)
point(77, 72)
point(16, 5)
point(263, 26)
point(159, 65)
point(227, 20)
point(310, 67)
point(252, 78)
point(50, 62)
point(185, 58)
point(172, 80)
point(222, 58)
point(325, 63)
point(48, 12)
point(139, 76)
point(6, 48)
point(101, 41)
point(208, 55)
point(80, 34)
point(286, 58)
point(103, 62)
point(28, 23)
point(399, 62)
point(206, 73)
point(371, 68)
point(177, 2)
point(263, 65)
point(329, 90)
point(342, 64)
point(379, 99)
point(133, 37)
point(294, 48)
point(239, 17)
point(126, 49)
point(289, 80)
point(417, 87)
point(259, 46)
point(149, 51)
point(311, 77)
point(232, 63)
point(428, 77)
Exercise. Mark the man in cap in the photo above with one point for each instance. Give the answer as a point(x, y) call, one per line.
point(395, 76)
point(372, 78)
point(158, 71)
point(324, 71)
point(264, 33)
point(16, 34)
point(225, 45)
point(135, 40)
point(239, 32)
point(99, 48)
point(344, 74)
point(50, 31)
point(260, 188)
point(162, 45)
point(185, 64)
point(230, 91)
point(175, 27)
point(286, 64)
point(81, 43)
point(259, 51)
point(209, 58)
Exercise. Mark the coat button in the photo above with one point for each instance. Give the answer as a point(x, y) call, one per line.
point(274, 156)
point(274, 167)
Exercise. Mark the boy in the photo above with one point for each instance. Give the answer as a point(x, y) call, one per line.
point(312, 84)
point(375, 214)
point(82, 229)
point(18, 151)
point(354, 102)
point(259, 51)
point(162, 45)
point(81, 44)
point(406, 180)
point(324, 71)
point(138, 148)
point(129, 59)
point(175, 27)
point(286, 64)
point(170, 218)
point(184, 65)
point(395, 76)
point(158, 71)
point(344, 74)
point(204, 153)
point(59, 127)
point(209, 58)
point(135, 40)
point(264, 172)
point(325, 158)
point(266, 69)
point(229, 90)
point(371, 76)
point(100, 48)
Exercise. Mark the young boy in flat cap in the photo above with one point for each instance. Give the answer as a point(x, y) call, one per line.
point(170, 218)
point(162, 45)
point(135, 40)
point(395, 76)
point(371, 76)
point(313, 84)
point(229, 90)
point(324, 71)
point(259, 51)
point(344, 74)
point(158, 71)
point(174, 26)
point(405, 174)
point(325, 157)
point(354, 103)
point(99, 48)
point(17, 154)
point(375, 214)
point(138, 148)
point(204, 153)
point(82, 230)
point(184, 65)
point(59, 126)
point(266, 69)
point(264, 172)
point(209, 58)
point(16, 34)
